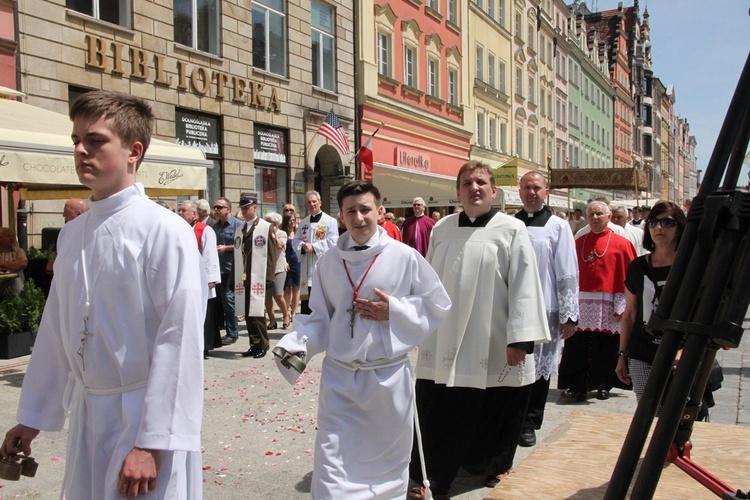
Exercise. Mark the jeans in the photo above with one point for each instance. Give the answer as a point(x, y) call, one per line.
point(225, 291)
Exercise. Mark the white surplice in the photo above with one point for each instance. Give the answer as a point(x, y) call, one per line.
point(210, 257)
point(365, 414)
point(143, 379)
point(491, 275)
point(557, 262)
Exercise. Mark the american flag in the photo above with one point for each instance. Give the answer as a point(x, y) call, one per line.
point(331, 129)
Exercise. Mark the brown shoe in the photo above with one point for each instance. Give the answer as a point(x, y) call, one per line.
point(493, 481)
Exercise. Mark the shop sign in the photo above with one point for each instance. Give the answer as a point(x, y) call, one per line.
point(170, 72)
point(197, 131)
point(412, 159)
point(270, 145)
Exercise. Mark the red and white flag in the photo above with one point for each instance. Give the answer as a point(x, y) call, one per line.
point(332, 130)
point(365, 152)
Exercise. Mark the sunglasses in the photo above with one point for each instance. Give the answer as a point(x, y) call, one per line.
point(417, 205)
point(219, 207)
point(665, 222)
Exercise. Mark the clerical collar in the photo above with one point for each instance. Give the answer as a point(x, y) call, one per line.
point(481, 221)
point(353, 245)
point(536, 219)
point(315, 218)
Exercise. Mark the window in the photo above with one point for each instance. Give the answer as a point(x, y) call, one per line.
point(519, 82)
point(480, 63)
point(453, 87)
point(453, 11)
point(432, 4)
point(480, 139)
point(269, 36)
point(501, 76)
point(410, 58)
point(197, 26)
point(532, 90)
point(518, 23)
point(519, 142)
point(433, 78)
point(111, 11)
point(323, 48)
point(501, 12)
point(491, 70)
point(493, 133)
point(541, 50)
point(532, 142)
point(503, 137)
point(384, 54)
point(530, 40)
point(491, 8)
point(647, 120)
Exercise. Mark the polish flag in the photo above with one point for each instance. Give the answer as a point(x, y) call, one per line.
point(365, 152)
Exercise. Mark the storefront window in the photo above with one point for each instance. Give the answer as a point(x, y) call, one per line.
point(271, 168)
point(203, 132)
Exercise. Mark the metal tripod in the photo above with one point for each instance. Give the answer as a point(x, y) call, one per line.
point(701, 309)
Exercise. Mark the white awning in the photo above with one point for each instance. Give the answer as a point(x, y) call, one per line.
point(399, 186)
point(36, 151)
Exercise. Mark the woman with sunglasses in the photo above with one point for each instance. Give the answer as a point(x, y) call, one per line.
point(644, 283)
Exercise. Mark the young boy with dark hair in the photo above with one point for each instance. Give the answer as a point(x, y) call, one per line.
point(119, 346)
point(390, 300)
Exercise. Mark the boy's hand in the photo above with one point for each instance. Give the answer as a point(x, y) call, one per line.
point(374, 310)
point(18, 439)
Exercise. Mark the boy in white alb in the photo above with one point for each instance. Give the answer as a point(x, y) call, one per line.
point(390, 300)
point(120, 342)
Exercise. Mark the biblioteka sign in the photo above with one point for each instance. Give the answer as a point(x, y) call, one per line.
point(170, 72)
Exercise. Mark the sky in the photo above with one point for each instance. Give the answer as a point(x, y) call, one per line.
point(700, 47)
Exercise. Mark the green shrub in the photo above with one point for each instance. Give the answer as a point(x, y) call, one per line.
point(21, 312)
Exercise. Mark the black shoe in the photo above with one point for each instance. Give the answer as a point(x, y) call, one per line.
point(602, 394)
point(251, 352)
point(569, 396)
point(260, 353)
point(227, 340)
point(275, 326)
point(493, 481)
point(285, 325)
point(527, 438)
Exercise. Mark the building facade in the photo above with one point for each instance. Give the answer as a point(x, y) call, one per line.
point(247, 84)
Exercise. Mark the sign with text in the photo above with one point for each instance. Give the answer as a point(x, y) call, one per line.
point(506, 176)
point(198, 131)
point(412, 159)
point(270, 145)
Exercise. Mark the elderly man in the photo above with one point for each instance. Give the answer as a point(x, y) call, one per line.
point(255, 266)
point(73, 208)
point(206, 240)
point(386, 223)
point(204, 212)
point(474, 374)
point(590, 356)
point(632, 233)
point(225, 227)
point(558, 270)
point(317, 233)
point(417, 228)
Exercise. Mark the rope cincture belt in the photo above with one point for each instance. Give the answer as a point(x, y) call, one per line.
point(74, 402)
point(386, 363)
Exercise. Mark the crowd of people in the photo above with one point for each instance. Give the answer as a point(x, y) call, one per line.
point(495, 305)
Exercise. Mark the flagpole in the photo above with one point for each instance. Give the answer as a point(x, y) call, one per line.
point(371, 136)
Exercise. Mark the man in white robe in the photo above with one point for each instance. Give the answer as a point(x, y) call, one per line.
point(556, 259)
point(365, 413)
point(119, 345)
point(632, 233)
point(475, 372)
point(206, 240)
point(316, 234)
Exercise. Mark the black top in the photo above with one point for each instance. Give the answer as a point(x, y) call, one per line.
point(645, 282)
point(537, 219)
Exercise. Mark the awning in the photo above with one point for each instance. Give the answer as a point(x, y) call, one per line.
point(399, 186)
point(36, 152)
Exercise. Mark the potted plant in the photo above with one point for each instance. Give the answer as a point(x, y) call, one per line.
point(20, 315)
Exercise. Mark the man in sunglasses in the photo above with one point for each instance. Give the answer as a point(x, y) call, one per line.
point(226, 225)
point(417, 228)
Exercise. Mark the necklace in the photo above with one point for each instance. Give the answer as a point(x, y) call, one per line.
point(355, 291)
point(594, 254)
